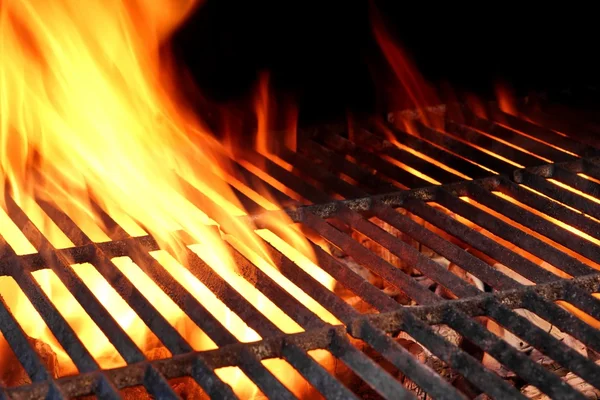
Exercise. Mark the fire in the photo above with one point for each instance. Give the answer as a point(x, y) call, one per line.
point(413, 91)
point(90, 115)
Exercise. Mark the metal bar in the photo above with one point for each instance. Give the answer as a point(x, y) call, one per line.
point(545, 343)
point(90, 303)
point(157, 385)
point(573, 180)
point(559, 194)
point(339, 308)
point(104, 389)
point(354, 282)
point(573, 128)
point(327, 178)
point(59, 327)
point(368, 259)
point(472, 136)
point(551, 208)
point(377, 145)
point(590, 166)
point(122, 285)
point(405, 252)
point(469, 152)
point(17, 339)
point(544, 227)
point(545, 134)
point(514, 261)
point(510, 233)
point(252, 180)
point(460, 361)
point(421, 374)
point(520, 363)
point(209, 381)
point(282, 175)
point(339, 164)
point(468, 168)
point(563, 319)
point(511, 136)
point(382, 382)
point(326, 384)
point(400, 175)
point(450, 251)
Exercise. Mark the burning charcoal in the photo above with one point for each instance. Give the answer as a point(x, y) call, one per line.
point(157, 353)
point(360, 270)
point(360, 305)
point(428, 358)
point(465, 276)
point(15, 375)
point(579, 384)
point(397, 295)
point(382, 251)
point(490, 362)
point(187, 389)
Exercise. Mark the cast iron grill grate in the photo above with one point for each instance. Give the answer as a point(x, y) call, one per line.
point(536, 182)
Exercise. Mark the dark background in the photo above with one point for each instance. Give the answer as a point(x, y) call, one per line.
point(324, 55)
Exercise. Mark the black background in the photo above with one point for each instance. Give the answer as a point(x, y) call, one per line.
point(324, 54)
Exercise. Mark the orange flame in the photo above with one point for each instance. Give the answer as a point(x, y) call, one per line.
point(415, 91)
point(89, 109)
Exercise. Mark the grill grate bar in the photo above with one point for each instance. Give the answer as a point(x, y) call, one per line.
point(462, 362)
point(568, 125)
point(57, 324)
point(562, 319)
point(408, 254)
point(482, 243)
point(382, 268)
point(516, 361)
point(550, 208)
point(368, 370)
point(450, 251)
point(471, 153)
point(546, 228)
point(104, 388)
point(545, 343)
point(326, 384)
point(470, 135)
point(509, 233)
point(17, 339)
point(440, 153)
point(336, 163)
point(327, 178)
point(157, 385)
point(423, 376)
point(390, 170)
point(209, 381)
point(563, 196)
point(60, 266)
point(545, 134)
point(572, 179)
point(354, 282)
point(510, 136)
point(363, 138)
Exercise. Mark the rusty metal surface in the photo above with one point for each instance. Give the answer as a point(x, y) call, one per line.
point(346, 181)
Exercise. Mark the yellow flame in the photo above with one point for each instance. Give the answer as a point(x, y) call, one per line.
point(90, 115)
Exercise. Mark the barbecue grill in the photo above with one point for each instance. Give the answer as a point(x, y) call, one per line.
point(517, 180)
